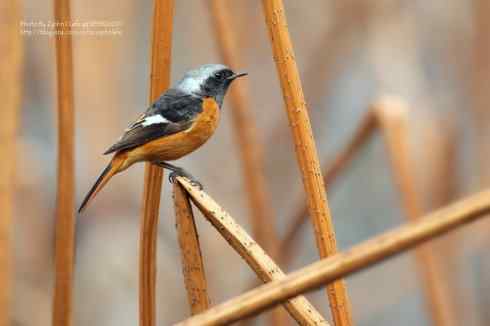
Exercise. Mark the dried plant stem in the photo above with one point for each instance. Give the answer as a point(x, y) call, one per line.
point(265, 268)
point(441, 182)
point(392, 117)
point(148, 240)
point(160, 78)
point(331, 173)
point(251, 150)
point(305, 151)
point(440, 187)
point(340, 265)
point(65, 199)
point(322, 66)
point(479, 88)
point(192, 264)
point(10, 93)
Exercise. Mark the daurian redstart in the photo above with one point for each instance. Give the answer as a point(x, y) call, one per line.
point(179, 122)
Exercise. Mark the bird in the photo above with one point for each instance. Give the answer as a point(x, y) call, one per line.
point(180, 121)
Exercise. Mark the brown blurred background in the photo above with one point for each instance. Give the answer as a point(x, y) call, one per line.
point(435, 54)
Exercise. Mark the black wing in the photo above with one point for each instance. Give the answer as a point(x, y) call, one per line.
point(174, 111)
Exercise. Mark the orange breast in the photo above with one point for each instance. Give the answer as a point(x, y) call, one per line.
point(175, 146)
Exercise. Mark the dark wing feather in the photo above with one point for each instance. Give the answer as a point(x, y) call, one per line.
point(177, 108)
point(141, 135)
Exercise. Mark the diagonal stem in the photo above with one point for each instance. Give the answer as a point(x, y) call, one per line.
point(265, 268)
point(332, 171)
point(389, 116)
point(364, 255)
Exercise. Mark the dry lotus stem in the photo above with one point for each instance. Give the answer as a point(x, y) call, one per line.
point(160, 79)
point(265, 268)
point(345, 263)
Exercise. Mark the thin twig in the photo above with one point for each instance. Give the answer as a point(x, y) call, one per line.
point(192, 263)
point(392, 118)
point(331, 173)
point(160, 78)
point(65, 197)
point(340, 265)
point(10, 93)
point(306, 152)
point(265, 268)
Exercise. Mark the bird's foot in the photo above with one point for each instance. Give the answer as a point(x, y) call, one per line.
point(182, 173)
point(179, 172)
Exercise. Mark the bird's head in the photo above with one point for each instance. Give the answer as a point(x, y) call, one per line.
point(211, 80)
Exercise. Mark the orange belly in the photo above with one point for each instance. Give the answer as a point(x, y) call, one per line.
point(175, 146)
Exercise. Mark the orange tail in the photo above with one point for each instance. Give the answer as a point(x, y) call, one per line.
point(105, 176)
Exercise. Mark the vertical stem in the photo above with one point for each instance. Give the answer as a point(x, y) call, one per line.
point(10, 79)
point(251, 150)
point(479, 91)
point(192, 262)
point(305, 150)
point(148, 240)
point(160, 77)
point(392, 117)
point(65, 216)
point(479, 102)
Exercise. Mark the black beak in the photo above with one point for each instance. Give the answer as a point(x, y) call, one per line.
point(235, 76)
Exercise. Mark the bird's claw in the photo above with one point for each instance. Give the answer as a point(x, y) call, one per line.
point(173, 175)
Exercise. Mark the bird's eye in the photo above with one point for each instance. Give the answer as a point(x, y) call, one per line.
point(219, 75)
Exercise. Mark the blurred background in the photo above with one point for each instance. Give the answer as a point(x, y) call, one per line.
point(434, 54)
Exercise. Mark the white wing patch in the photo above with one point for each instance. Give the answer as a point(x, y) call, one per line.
point(146, 121)
point(153, 119)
